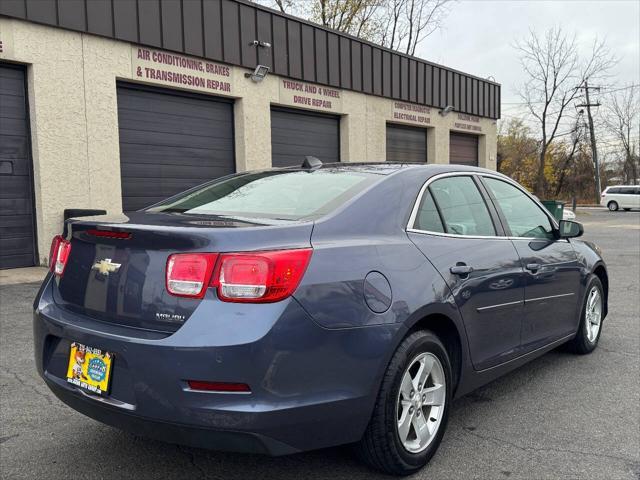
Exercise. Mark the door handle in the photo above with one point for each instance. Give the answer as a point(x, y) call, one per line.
point(533, 267)
point(461, 270)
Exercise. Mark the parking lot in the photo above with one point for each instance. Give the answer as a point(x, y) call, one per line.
point(561, 416)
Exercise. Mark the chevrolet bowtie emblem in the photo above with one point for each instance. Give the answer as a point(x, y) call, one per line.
point(106, 266)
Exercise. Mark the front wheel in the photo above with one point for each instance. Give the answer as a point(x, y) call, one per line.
point(412, 408)
point(613, 206)
point(586, 339)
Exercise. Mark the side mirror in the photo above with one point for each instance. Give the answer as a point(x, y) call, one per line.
point(569, 229)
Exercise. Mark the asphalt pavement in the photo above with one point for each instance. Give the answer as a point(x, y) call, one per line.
point(560, 417)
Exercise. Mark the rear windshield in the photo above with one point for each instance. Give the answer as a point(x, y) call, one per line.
point(282, 195)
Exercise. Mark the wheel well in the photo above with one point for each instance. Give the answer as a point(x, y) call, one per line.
point(446, 330)
point(601, 273)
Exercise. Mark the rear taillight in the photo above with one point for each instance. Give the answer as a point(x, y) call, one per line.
point(256, 277)
point(59, 254)
point(188, 274)
point(260, 277)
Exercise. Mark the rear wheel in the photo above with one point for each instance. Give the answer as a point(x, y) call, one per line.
point(411, 412)
point(612, 205)
point(586, 339)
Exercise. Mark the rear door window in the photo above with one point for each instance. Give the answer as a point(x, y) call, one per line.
point(461, 207)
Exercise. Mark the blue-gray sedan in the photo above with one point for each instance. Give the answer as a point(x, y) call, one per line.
point(294, 309)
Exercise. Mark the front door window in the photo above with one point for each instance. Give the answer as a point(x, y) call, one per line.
point(523, 216)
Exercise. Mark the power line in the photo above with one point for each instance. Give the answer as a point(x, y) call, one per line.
point(621, 88)
point(635, 85)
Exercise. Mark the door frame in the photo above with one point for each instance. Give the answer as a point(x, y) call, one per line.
point(503, 220)
point(501, 233)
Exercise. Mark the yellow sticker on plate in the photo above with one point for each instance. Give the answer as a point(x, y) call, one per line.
point(89, 368)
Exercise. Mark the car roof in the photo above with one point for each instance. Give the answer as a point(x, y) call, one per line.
point(624, 186)
point(390, 168)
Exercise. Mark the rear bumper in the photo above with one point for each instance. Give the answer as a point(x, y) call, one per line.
point(311, 387)
point(223, 440)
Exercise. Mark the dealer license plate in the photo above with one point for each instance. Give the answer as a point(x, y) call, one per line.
point(89, 368)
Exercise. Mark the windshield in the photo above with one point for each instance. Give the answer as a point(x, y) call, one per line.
point(285, 195)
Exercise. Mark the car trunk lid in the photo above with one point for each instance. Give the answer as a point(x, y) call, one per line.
point(116, 269)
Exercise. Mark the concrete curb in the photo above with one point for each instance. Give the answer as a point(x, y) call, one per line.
point(16, 276)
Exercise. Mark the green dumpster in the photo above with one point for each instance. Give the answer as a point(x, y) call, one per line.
point(555, 208)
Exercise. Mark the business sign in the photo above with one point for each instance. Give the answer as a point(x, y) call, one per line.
point(411, 113)
point(468, 123)
point(171, 69)
point(308, 95)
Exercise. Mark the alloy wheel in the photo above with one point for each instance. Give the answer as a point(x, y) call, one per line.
point(420, 404)
point(593, 314)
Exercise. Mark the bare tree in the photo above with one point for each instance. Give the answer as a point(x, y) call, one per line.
point(391, 29)
point(352, 16)
point(396, 24)
point(285, 6)
point(423, 18)
point(355, 17)
point(404, 24)
point(622, 121)
point(555, 71)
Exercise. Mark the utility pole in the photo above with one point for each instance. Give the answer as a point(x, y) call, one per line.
point(594, 150)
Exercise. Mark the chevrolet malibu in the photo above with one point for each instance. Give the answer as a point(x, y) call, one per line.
point(293, 309)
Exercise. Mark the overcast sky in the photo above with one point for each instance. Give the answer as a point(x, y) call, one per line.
point(478, 36)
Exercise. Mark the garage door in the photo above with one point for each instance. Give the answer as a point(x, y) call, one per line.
point(406, 144)
point(463, 149)
point(170, 141)
point(17, 233)
point(296, 134)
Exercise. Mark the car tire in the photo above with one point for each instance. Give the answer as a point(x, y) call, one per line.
point(590, 328)
point(381, 446)
point(613, 206)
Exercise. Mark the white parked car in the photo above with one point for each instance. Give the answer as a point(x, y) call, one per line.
point(567, 214)
point(621, 196)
